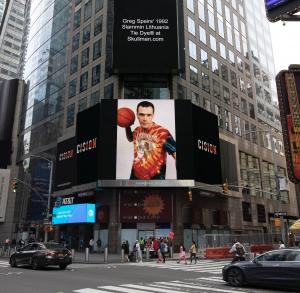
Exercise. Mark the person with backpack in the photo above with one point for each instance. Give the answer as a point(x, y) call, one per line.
point(239, 252)
point(193, 251)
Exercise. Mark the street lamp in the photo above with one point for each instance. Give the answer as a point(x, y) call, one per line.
point(282, 228)
point(50, 162)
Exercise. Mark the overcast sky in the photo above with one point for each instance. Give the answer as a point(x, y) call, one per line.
point(286, 44)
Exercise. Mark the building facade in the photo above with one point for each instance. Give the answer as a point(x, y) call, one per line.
point(226, 68)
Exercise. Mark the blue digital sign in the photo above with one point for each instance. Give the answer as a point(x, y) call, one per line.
point(75, 213)
point(274, 3)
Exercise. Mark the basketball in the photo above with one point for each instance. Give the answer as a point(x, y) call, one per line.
point(126, 117)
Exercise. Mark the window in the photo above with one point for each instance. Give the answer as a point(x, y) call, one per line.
point(77, 17)
point(206, 104)
point(247, 215)
point(231, 58)
point(226, 95)
point(229, 33)
point(95, 97)
point(205, 82)
point(85, 57)
point(88, 10)
point(194, 75)
point(222, 51)
point(216, 89)
point(97, 49)
point(72, 88)
point(254, 134)
point(190, 5)
point(202, 35)
point(77, 2)
point(70, 115)
point(96, 74)
point(211, 18)
point(244, 106)
point(192, 50)
point(242, 85)
point(219, 6)
point(214, 66)
point(74, 64)
point(224, 72)
point(221, 26)
point(261, 213)
point(82, 104)
point(228, 122)
point(235, 101)
point(75, 42)
point(83, 82)
point(204, 58)
point(213, 43)
point(233, 78)
point(181, 91)
point(237, 125)
point(98, 25)
point(201, 10)
point(86, 34)
point(98, 5)
point(191, 26)
point(251, 111)
point(109, 91)
point(218, 112)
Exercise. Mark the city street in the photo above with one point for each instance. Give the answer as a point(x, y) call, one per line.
point(205, 276)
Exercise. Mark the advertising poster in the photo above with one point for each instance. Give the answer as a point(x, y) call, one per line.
point(146, 141)
point(145, 36)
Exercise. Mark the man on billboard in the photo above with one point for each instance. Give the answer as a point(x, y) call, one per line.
point(151, 141)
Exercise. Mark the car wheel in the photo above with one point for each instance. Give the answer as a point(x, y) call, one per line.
point(13, 262)
point(62, 267)
point(235, 277)
point(34, 264)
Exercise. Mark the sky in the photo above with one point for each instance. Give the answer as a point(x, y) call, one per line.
point(286, 43)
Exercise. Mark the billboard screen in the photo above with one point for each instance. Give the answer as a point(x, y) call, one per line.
point(288, 88)
point(146, 147)
point(76, 213)
point(65, 175)
point(277, 8)
point(145, 36)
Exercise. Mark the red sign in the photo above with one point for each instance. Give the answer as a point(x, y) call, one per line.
point(171, 235)
point(146, 207)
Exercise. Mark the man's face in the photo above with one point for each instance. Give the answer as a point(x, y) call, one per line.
point(145, 116)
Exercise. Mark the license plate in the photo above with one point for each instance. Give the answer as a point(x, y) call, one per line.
point(60, 254)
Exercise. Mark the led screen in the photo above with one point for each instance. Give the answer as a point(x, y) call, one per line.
point(77, 213)
point(276, 9)
point(146, 147)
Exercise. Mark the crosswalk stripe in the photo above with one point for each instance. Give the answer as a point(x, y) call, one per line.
point(211, 279)
point(181, 284)
point(90, 290)
point(126, 290)
point(153, 289)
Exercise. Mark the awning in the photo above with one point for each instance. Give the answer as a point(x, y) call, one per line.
point(295, 226)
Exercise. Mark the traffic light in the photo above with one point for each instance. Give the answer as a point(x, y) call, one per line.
point(225, 187)
point(190, 195)
point(14, 186)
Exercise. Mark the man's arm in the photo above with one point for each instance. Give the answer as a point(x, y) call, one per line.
point(170, 146)
point(129, 134)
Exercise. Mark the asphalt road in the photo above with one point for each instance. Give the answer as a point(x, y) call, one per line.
point(128, 278)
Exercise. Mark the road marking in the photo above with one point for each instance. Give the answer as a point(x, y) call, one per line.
point(125, 290)
point(185, 285)
point(90, 290)
point(211, 279)
point(153, 289)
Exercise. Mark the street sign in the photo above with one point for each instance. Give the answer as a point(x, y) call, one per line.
point(280, 214)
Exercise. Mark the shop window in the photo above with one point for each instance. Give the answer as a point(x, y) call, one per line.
point(247, 214)
point(261, 213)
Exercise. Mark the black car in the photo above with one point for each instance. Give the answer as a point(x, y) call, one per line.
point(276, 268)
point(39, 255)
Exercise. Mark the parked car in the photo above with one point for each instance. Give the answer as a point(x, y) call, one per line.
point(276, 268)
point(39, 255)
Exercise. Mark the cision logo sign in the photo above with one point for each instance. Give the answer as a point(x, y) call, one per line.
point(145, 36)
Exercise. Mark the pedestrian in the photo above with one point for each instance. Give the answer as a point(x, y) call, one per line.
point(99, 243)
point(91, 245)
point(238, 250)
point(138, 251)
point(281, 245)
point(193, 251)
point(13, 243)
point(156, 246)
point(182, 254)
point(163, 250)
point(125, 247)
point(6, 244)
point(142, 244)
point(21, 243)
point(81, 244)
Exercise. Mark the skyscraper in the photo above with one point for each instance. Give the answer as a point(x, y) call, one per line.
point(226, 67)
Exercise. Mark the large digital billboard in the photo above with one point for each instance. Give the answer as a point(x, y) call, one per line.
point(145, 36)
point(146, 147)
point(277, 8)
point(288, 88)
point(75, 213)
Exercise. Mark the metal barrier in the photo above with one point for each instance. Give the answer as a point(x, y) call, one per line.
point(147, 254)
point(171, 251)
point(105, 254)
point(87, 252)
point(73, 254)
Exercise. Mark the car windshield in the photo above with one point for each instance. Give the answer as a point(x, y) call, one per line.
point(53, 245)
point(278, 255)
